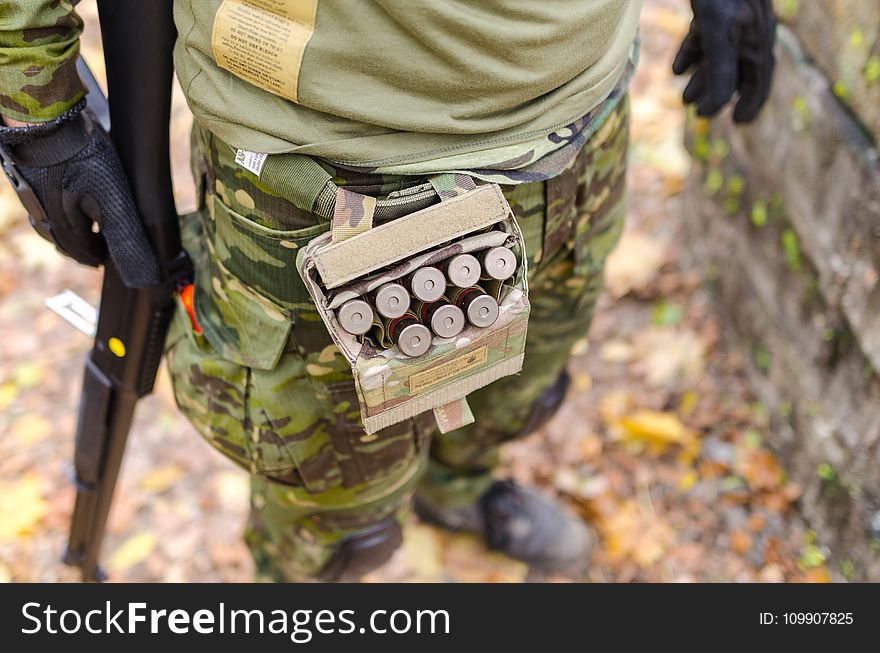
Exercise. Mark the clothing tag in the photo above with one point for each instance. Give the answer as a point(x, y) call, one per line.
point(262, 41)
point(251, 161)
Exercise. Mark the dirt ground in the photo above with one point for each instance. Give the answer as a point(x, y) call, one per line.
point(660, 445)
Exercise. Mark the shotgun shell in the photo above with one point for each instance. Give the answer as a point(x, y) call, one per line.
point(481, 309)
point(391, 300)
point(355, 316)
point(426, 284)
point(444, 318)
point(411, 336)
point(499, 263)
point(462, 270)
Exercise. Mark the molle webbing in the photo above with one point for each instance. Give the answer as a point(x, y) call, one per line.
point(307, 185)
point(302, 181)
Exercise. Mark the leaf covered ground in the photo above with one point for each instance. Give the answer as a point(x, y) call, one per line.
point(660, 446)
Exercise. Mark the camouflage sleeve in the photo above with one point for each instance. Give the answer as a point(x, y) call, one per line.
point(39, 44)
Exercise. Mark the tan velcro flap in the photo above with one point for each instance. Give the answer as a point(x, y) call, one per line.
point(339, 263)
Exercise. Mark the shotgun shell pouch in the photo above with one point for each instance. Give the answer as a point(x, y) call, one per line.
point(401, 369)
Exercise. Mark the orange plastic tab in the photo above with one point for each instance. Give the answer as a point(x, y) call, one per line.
point(186, 296)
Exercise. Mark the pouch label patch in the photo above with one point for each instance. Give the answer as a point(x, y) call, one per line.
point(432, 376)
point(262, 41)
point(251, 161)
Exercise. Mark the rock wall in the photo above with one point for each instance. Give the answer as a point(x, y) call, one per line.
point(843, 38)
point(784, 215)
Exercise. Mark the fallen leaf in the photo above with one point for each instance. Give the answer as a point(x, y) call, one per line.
point(669, 355)
point(812, 554)
point(773, 501)
point(125, 509)
point(227, 554)
point(655, 429)
point(580, 486)
point(791, 491)
point(817, 575)
point(773, 550)
point(710, 469)
point(616, 351)
point(22, 506)
point(421, 553)
point(590, 447)
point(634, 263)
point(631, 534)
point(31, 428)
point(740, 542)
point(673, 185)
point(133, 551)
point(29, 374)
point(654, 144)
point(161, 478)
point(615, 404)
point(8, 394)
point(466, 560)
point(582, 382)
point(35, 255)
point(772, 573)
point(756, 522)
point(666, 313)
point(688, 480)
point(688, 403)
point(760, 468)
point(180, 542)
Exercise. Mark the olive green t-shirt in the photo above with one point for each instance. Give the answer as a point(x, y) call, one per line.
point(373, 83)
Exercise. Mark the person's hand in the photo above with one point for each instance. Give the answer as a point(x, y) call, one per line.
point(730, 44)
point(70, 179)
point(12, 122)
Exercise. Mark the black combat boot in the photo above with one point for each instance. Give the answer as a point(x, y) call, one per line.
point(362, 552)
point(521, 524)
point(517, 521)
point(545, 407)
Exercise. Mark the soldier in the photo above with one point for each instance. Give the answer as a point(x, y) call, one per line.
point(381, 95)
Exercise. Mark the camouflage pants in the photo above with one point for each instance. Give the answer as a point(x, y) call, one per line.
point(265, 385)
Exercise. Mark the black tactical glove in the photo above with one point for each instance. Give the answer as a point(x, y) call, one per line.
point(69, 178)
point(731, 44)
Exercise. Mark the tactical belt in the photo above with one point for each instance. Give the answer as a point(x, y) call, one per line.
point(303, 182)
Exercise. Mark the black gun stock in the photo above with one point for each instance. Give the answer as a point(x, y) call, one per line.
point(121, 367)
